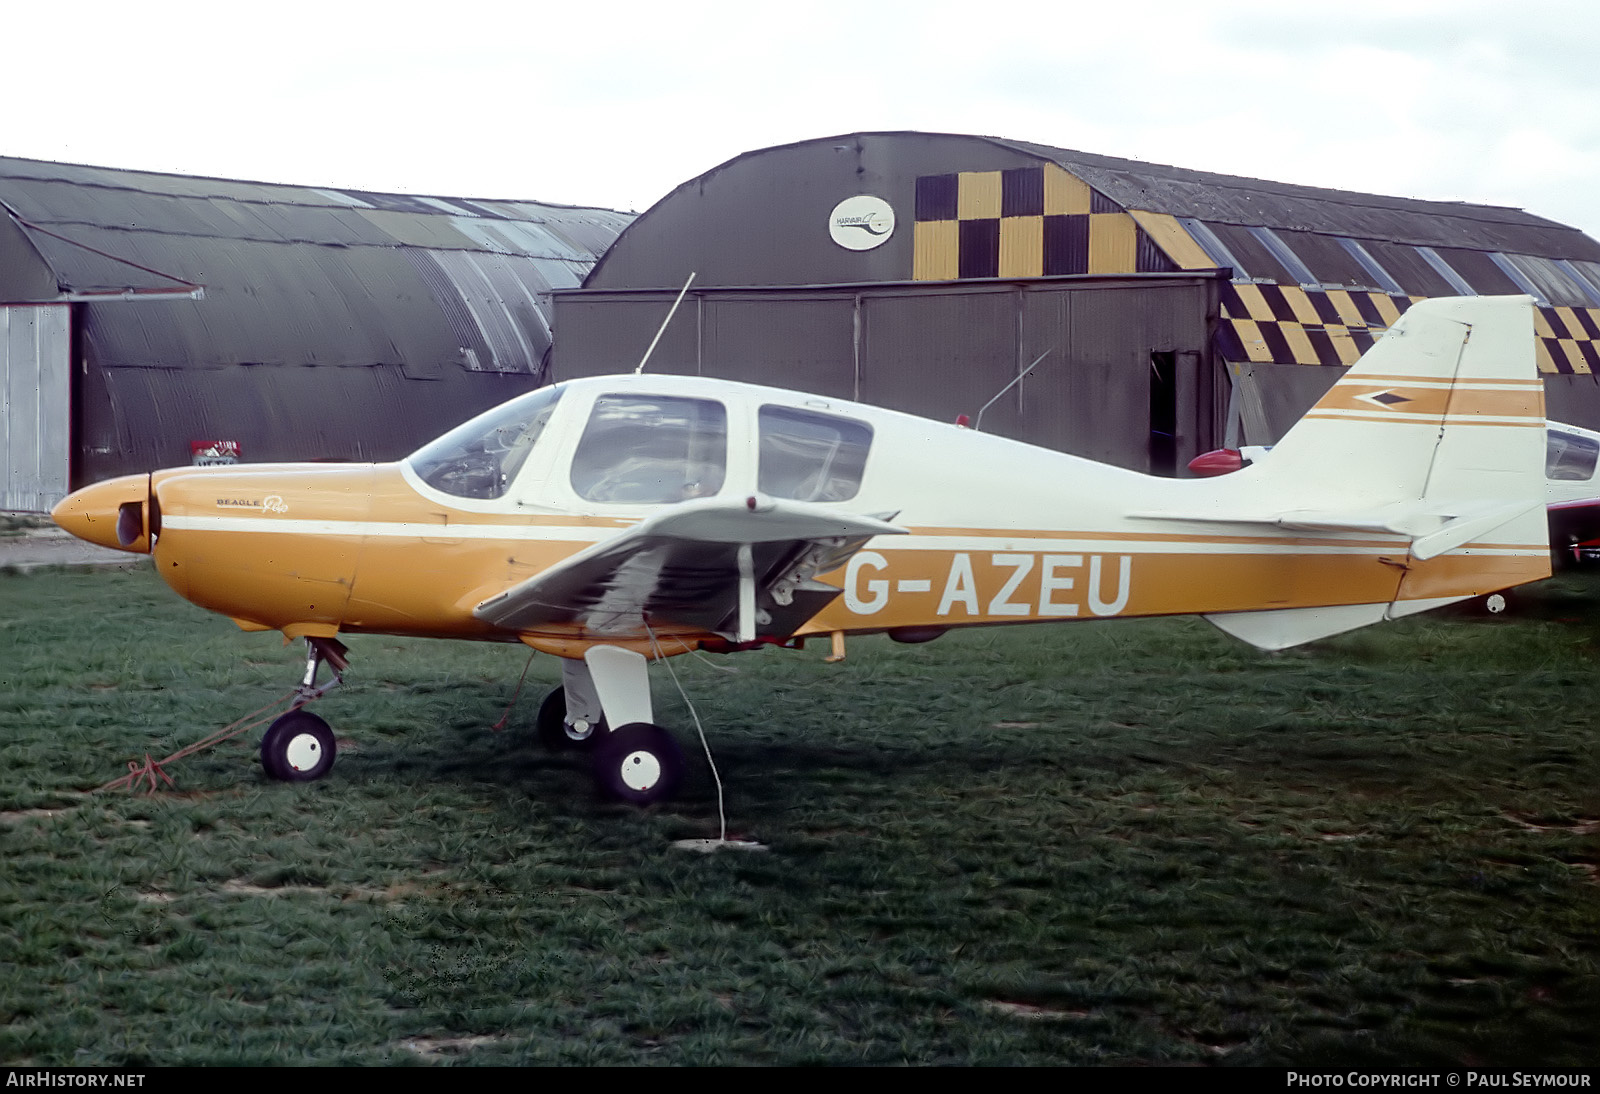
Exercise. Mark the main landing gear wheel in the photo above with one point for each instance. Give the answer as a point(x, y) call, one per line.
point(298, 748)
point(554, 732)
point(638, 763)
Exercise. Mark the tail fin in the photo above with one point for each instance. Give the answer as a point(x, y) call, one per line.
point(1436, 435)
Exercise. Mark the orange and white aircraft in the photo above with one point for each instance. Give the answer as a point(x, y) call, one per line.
point(615, 520)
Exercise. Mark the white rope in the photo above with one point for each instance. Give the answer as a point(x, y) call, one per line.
point(722, 816)
point(700, 656)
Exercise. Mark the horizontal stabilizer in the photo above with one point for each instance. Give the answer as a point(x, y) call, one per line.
point(1407, 519)
point(1434, 529)
point(1467, 527)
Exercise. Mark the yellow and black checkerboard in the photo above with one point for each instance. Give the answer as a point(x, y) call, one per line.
point(1288, 325)
point(1569, 339)
point(1043, 221)
point(1028, 222)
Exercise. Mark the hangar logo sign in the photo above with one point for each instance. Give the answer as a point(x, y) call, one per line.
point(861, 223)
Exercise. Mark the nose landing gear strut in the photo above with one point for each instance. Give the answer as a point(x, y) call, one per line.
point(298, 747)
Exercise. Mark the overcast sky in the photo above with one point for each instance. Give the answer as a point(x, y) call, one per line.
point(615, 103)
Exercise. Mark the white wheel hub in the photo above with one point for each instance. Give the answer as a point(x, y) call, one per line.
point(303, 752)
point(641, 770)
point(1495, 602)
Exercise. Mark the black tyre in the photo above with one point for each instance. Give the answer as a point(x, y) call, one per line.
point(298, 748)
point(555, 734)
point(638, 763)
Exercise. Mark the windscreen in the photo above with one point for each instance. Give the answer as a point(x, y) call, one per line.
point(481, 457)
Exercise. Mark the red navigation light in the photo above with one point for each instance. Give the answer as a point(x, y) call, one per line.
point(1219, 461)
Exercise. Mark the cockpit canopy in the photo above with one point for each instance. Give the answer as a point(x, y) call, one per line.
point(643, 448)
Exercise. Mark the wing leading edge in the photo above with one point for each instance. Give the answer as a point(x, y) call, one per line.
point(734, 568)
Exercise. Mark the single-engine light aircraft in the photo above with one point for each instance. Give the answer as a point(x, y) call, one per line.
point(614, 520)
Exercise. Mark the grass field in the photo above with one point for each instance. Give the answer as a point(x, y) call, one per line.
point(1104, 843)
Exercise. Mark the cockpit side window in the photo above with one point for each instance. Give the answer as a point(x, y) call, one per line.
point(649, 449)
point(481, 457)
point(811, 457)
point(1569, 457)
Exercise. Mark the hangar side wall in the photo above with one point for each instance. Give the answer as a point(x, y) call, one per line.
point(939, 351)
point(35, 352)
point(1574, 399)
point(142, 418)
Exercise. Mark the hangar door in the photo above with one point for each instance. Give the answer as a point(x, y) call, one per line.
point(35, 359)
point(1124, 373)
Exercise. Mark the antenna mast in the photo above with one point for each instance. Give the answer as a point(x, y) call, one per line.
point(977, 425)
point(670, 313)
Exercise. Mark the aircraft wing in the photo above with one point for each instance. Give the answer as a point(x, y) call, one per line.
point(736, 568)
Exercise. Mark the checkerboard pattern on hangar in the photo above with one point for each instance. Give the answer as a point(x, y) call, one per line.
point(1303, 296)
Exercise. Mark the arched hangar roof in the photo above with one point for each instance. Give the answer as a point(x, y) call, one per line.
point(251, 272)
point(298, 322)
point(1313, 272)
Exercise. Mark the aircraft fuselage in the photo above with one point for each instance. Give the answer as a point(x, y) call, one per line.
point(996, 531)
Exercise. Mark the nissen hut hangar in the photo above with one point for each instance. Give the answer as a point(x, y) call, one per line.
point(149, 320)
point(1170, 311)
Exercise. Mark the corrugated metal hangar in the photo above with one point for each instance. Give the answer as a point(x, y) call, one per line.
point(1177, 310)
point(149, 320)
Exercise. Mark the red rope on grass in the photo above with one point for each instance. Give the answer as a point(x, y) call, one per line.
point(505, 718)
point(150, 769)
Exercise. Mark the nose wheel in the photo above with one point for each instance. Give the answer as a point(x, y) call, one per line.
point(298, 748)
